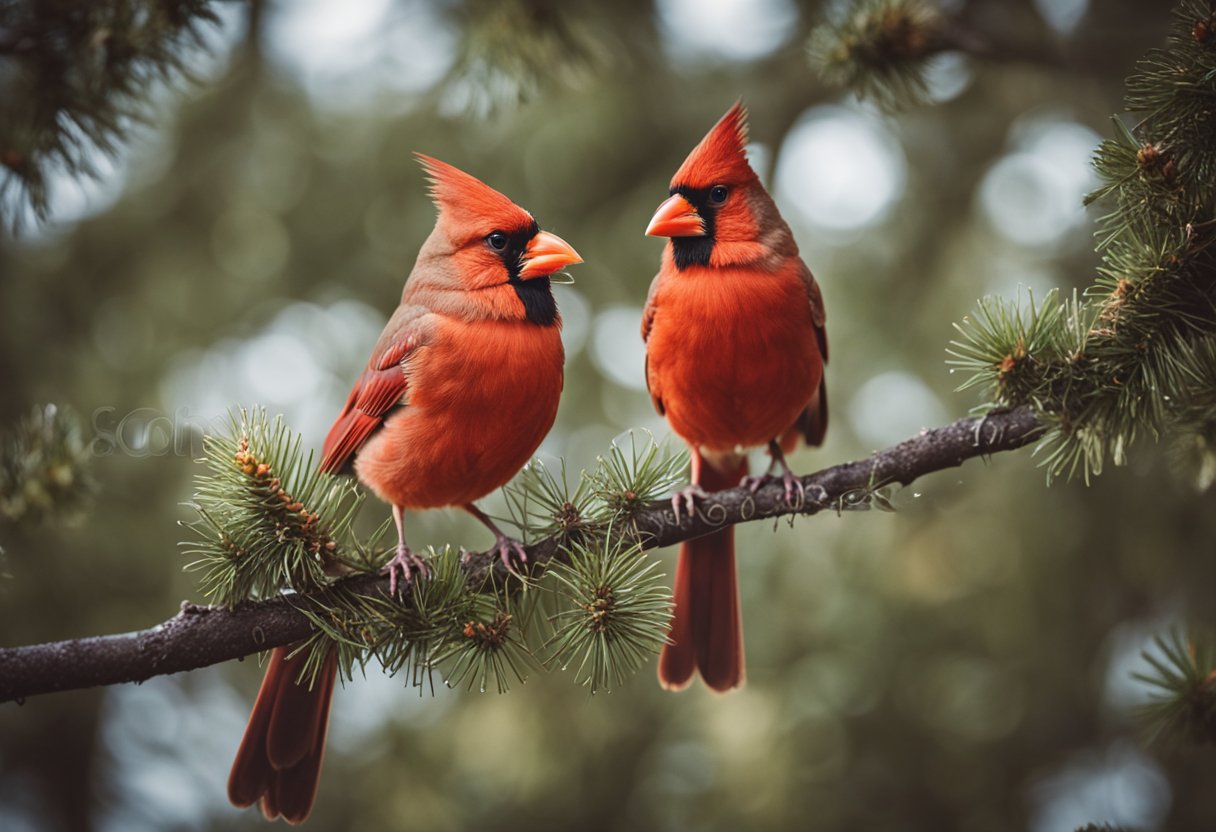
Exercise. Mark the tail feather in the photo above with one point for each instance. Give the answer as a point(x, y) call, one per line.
point(250, 775)
point(294, 722)
point(707, 629)
point(812, 423)
point(717, 626)
point(678, 661)
point(279, 759)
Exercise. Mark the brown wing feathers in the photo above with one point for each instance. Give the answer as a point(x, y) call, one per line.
point(378, 390)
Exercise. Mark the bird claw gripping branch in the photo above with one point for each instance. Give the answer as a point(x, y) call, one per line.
point(688, 497)
point(795, 492)
point(510, 550)
point(507, 549)
point(791, 481)
point(405, 563)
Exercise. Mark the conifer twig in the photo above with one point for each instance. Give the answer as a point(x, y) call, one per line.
point(882, 50)
point(200, 636)
point(76, 80)
point(1134, 355)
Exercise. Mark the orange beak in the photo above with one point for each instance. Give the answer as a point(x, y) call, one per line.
point(676, 218)
point(545, 254)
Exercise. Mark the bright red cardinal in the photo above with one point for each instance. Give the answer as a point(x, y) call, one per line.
point(460, 389)
point(735, 347)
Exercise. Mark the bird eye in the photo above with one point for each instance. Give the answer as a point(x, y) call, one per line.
point(497, 240)
point(717, 194)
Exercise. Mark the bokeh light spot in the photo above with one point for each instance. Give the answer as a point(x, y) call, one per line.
point(576, 318)
point(892, 406)
point(1033, 195)
point(1062, 15)
point(734, 30)
point(346, 54)
point(617, 348)
point(1121, 786)
point(840, 169)
point(947, 75)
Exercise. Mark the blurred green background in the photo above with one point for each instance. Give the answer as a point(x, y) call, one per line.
point(962, 663)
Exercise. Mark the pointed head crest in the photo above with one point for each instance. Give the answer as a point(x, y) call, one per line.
point(472, 205)
point(720, 156)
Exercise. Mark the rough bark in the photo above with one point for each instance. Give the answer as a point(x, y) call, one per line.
point(199, 636)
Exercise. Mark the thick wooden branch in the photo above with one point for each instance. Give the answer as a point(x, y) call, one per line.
point(199, 636)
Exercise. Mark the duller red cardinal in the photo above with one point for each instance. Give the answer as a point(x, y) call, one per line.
point(460, 389)
point(735, 348)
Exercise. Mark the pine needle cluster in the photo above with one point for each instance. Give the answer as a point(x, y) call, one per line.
point(471, 634)
point(880, 50)
point(1135, 356)
point(267, 520)
point(512, 50)
point(1184, 679)
point(626, 478)
point(615, 615)
point(75, 76)
point(267, 523)
point(44, 467)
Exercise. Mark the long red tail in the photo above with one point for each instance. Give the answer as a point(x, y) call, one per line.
point(279, 761)
point(706, 628)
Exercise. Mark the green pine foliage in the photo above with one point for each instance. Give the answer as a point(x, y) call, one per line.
point(513, 50)
point(44, 467)
point(1184, 681)
point(627, 479)
point(1193, 448)
point(74, 77)
point(403, 633)
point(489, 651)
point(1135, 359)
point(615, 616)
point(266, 518)
point(1134, 356)
point(542, 503)
point(880, 50)
point(268, 523)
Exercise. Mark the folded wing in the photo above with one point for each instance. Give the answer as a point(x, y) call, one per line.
point(381, 388)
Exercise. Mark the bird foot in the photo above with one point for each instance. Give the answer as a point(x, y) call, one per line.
point(405, 563)
point(792, 482)
point(793, 485)
point(509, 550)
point(754, 483)
point(687, 497)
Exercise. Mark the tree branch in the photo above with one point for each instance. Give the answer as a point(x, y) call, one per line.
point(199, 636)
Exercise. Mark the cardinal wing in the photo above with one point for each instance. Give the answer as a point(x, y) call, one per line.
point(652, 307)
point(813, 423)
point(382, 387)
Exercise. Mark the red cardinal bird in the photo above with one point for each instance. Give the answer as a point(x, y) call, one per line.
point(460, 389)
point(735, 347)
